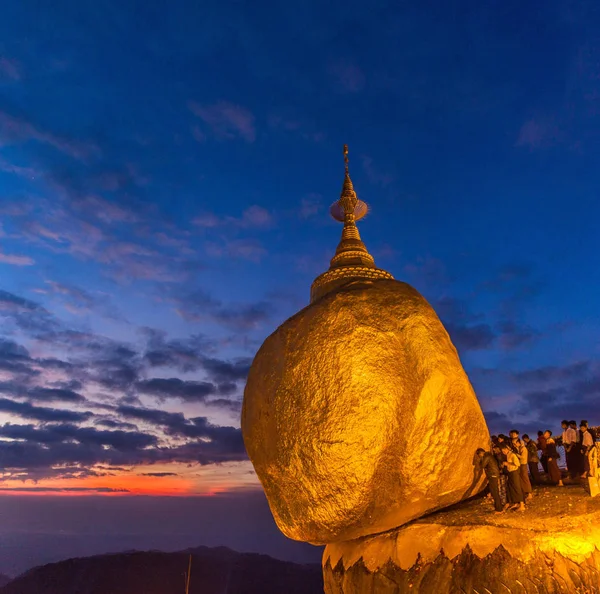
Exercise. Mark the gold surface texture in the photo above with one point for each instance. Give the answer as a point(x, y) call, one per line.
point(358, 416)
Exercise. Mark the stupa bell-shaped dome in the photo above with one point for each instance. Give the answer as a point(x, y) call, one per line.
point(358, 416)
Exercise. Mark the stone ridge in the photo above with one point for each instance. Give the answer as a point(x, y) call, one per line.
point(565, 522)
point(499, 572)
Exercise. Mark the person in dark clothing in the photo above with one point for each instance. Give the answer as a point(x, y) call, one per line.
point(513, 466)
point(503, 478)
point(492, 472)
point(533, 459)
point(552, 457)
point(542, 447)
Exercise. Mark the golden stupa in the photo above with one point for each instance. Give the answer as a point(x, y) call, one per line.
point(358, 416)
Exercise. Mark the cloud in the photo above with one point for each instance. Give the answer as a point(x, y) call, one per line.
point(233, 406)
point(428, 272)
point(14, 130)
point(497, 422)
point(515, 336)
point(347, 77)
point(254, 217)
point(207, 220)
point(112, 424)
point(311, 205)
point(227, 371)
point(245, 249)
point(9, 68)
point(54, 395)
point(374, 174)
point(15, 358)
point(120, 440)
point(553, 373)
point(88, 227)
point(63, 490)
point(225, 243)
point(79, 301)
point(224, 443)
point(551, 393)
point(466, 328)
point(294, 125)
point(16, 260)
point(151, 415)
point(182, 353)
point(193, 354)
point(509, 275)
point(538, 133)
point(185, 390)
point(198, 305)
point(65, 450)
point(471, 338)
point(60, 443)
point(26, 410)
point(39, 393)
point(226, 120)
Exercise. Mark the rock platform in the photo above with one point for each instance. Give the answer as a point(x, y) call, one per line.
point(551, 548)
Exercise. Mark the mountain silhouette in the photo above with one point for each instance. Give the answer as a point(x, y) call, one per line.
point(214, 571)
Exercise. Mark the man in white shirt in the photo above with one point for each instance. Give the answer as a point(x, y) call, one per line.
point(587, 443)
point(569, 441)
point(576, 449)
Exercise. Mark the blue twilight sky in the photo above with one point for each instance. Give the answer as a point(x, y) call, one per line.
point(165, 174)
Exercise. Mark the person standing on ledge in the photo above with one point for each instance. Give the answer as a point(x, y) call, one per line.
point(552, 457)
point(521, 451)
point(569, 440)
point(533, 459)
point(492, 472)
point(542, 447)
point(587, 443)
point(576, 449)
point(513, 466)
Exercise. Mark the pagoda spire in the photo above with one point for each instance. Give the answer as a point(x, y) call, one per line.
point(351, 251)
point(352, 261)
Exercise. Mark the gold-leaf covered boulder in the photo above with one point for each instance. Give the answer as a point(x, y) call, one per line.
point(358, 416)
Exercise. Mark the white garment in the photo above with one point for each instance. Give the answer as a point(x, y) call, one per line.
point(587, 440)
point(569, 436)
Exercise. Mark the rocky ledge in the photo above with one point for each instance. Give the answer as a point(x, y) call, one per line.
point(553, 547)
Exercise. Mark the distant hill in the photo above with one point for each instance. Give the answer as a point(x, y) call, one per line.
point(4, 579)
point(214, 571)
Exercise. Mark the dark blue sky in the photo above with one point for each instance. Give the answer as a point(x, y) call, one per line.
point(165, 173)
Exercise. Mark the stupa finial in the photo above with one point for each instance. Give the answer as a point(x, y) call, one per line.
point(352, 260)
point(348, 204)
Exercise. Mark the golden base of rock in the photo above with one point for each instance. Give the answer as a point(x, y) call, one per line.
point(551, 548)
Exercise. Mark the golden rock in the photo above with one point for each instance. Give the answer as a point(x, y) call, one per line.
point(358, 416)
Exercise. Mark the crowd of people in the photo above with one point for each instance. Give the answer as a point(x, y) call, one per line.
point(512, 465)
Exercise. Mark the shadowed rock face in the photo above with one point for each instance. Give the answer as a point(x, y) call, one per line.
point(358, 416)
